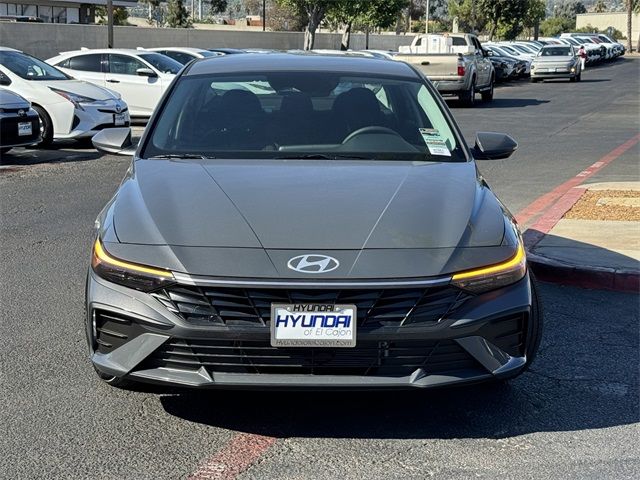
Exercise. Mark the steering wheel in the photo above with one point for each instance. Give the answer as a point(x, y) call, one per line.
point(370, 130)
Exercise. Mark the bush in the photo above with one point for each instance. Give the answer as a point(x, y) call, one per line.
point(554, 26)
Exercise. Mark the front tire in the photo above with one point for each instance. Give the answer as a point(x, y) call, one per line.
point(46, 127)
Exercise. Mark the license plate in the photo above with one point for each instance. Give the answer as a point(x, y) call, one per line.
point(119, 119)
point(313, 325)
point(24, 129)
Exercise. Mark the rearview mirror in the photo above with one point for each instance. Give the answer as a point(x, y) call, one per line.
point(493, 146)
point(146, 72)
point(114, 140)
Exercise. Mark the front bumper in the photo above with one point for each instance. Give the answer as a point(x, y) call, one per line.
point(92, 118)
point(480, 338)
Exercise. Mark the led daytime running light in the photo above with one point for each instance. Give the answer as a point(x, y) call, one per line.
point(514, 262)
point(103, 256)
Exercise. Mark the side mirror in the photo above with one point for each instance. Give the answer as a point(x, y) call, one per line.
point(114, 140)
point(493, 146)
point(146, 72)
point(4, 80)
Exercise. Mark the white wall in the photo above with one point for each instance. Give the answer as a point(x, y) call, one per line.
point(47, 40)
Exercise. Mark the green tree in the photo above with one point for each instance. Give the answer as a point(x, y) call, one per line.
point(285, 18)
point(505, 15)
point(632, 6)
point(569, 10)
point(554, 26)
point(600, 7)
point(364, 13)
point(120, 15)
point(177, 15)
point(470, 17)
point(536, 11)
point(314, 12)
point(218, 6)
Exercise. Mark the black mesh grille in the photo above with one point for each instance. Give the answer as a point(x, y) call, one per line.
point(376, 307)
point(384, 358)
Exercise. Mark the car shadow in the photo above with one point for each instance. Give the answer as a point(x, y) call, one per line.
point(503, 103)
point(580, 380)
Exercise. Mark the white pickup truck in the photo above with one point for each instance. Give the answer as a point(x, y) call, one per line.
point(455, 63)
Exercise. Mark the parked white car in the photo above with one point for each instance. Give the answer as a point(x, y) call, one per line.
point(182, 55)
point(141, 77)
point(68, 108)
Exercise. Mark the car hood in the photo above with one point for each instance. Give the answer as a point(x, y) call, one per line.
point(9, 99)
point(83, 88)
point(247, 218)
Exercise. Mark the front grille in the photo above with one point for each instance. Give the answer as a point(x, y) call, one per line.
point(112, 330)
point(377, 358)
point(246, 307)
point(112, 110)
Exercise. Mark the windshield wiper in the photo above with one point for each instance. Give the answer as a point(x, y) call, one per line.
point(322, 156)
point(183, 156)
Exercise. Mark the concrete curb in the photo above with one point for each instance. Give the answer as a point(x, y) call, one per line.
point(556, 271)
point(551, 270)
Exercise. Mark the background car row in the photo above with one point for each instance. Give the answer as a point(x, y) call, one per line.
point(78, 93)
point(67, 108)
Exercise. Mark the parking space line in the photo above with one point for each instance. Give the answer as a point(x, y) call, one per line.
point(236, 456)
point(538, 206)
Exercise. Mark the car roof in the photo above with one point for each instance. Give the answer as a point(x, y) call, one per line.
point(83, 51)
point(8, 49)
point(173, 49)
point(301, 62)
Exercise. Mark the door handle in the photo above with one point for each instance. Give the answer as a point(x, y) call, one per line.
point(111, 80)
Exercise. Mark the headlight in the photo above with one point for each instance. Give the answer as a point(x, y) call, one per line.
point(73, 97)
point(493, 276)
point(133, 275)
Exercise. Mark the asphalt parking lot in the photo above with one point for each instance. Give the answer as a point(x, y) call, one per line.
point(575, 414)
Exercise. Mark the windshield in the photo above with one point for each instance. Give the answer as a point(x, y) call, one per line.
point(30, 68)
point(303, 115)
point(555, 51)
point(162, 63)
point(511, 50)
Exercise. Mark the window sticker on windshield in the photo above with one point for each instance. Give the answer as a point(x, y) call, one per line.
point(435, 143)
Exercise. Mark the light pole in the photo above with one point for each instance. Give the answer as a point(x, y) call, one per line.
point(264, 15)
point(109, 23)
point(426, 22)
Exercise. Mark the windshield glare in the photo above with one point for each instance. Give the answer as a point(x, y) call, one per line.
point(555, 51)
point(303, 114)
point(30, 68)
point(162, 63)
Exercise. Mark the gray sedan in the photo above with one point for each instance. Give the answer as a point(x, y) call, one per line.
point(556, 61)
point(307, 221)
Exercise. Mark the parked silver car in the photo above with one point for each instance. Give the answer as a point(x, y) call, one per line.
point(556, 61)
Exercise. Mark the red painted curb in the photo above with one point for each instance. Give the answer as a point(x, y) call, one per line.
point(539, 205)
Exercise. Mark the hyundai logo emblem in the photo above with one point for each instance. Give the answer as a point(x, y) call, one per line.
point(22, 113)
point(313, 263)
point(118, 108)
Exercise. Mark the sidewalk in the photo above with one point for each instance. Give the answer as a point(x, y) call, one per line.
point(590, 237)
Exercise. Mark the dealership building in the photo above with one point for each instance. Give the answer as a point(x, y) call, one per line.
point(53, 11)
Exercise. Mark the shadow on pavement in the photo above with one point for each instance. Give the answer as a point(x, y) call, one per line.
point(56, 153)
point(505, 103)
point(585, 377)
